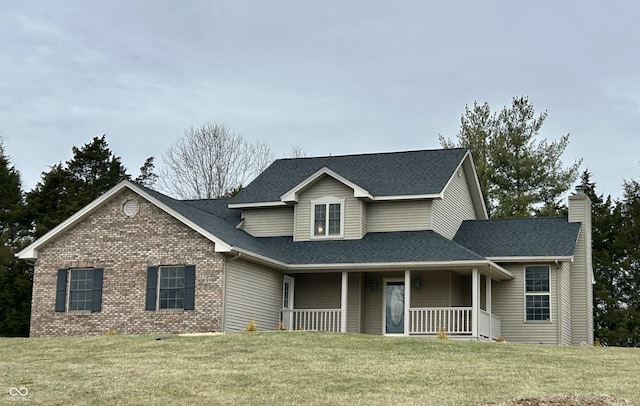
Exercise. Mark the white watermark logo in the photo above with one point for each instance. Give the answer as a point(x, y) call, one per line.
point(21, 391)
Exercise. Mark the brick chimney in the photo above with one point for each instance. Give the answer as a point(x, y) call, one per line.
point(581, 270)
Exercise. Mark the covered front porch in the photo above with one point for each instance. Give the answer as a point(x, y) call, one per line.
point(454, 302)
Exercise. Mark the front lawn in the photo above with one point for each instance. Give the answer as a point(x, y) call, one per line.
point(305, 368)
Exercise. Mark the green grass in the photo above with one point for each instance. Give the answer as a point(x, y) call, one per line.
point(305, 368)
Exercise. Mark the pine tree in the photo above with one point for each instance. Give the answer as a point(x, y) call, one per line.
point(15, 276)
point(519, 175)
point(615, 264)
point(65, 189)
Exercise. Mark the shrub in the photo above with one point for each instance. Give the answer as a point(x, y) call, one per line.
point(442, 334)
point(251, 326)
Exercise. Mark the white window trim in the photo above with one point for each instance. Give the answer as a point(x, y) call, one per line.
point(548, 293)
point(158, 289)
point(326, 201)
point(68, 294)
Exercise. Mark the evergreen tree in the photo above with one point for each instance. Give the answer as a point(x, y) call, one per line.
point(65, 189)
point(147, 176)
point(630, 259)
point(15, 276)
point(615, 264)
point(519, 175)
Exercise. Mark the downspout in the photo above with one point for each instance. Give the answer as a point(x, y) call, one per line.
point(238, 255)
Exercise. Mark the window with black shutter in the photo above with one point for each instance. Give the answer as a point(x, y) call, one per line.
point(79, 290)
point(170, 287)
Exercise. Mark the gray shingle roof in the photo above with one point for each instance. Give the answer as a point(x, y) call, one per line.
point(526, 237)
point(390, 247)
point(475, 240)
point(384, 174)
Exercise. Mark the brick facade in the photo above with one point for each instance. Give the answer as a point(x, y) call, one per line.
point(124, 247)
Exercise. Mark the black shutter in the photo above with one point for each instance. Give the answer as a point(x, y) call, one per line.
point(61, 290)
point(189, 287)
point(152, 286)
point(96, 301)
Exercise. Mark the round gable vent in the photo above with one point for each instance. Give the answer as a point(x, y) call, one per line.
point(130, 208)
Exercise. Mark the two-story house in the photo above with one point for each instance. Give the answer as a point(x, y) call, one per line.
point(390, 243)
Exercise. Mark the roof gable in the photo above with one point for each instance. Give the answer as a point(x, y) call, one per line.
point(175, 208)
point(292, 194)
point(422, 173)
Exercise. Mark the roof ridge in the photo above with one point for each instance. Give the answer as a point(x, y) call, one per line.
point(185, 202)
point(371, 154)
point(522, 218)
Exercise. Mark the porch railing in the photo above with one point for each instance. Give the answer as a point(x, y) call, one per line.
point(488, 325)
point(311, 319)
point(431, 320)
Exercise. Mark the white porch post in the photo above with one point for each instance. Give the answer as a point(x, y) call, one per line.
point(488, 294)
point(407, 301)
point(343, 302)
point(487, 299)
point(475, 301)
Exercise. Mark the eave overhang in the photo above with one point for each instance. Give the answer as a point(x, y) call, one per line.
point(532, 259)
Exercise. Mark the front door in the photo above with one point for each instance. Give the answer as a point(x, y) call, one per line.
point(393, 306)
point(287, 302)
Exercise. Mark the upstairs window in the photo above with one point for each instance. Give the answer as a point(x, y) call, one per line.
point(537, 293)
point(79, 290)
point(327, 219)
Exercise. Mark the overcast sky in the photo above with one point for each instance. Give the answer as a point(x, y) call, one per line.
point(330, 77)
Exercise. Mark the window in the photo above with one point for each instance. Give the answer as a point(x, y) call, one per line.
point(170, 287)
point(537, 293)
point(79, 290)
point(327, 218)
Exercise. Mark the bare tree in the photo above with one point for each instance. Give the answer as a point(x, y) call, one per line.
point(210, 162)
point(297, 152)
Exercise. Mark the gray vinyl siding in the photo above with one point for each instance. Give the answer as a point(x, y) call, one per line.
point(354, 300)
point(483, 292)
point(398, 216)
point(435, 289)
point(581, 273)
point(509, 304)
point(466, 291)
point(251, 292)
point(455, 206)
point(271, 222)
point(455, 289)
point(564, 303)
point(318, 291)
point(364, 219)
point(328, 187)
